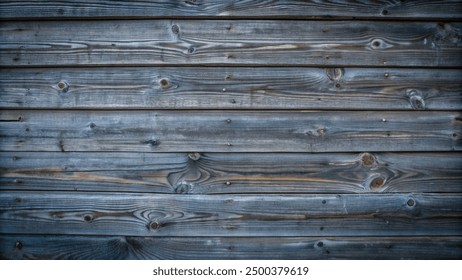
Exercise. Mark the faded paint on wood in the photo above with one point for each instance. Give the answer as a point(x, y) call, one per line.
point(230, 131)
point(240, 42)
point(232, 88)
point(238, 173)
point(230, 215)
point(187, 248)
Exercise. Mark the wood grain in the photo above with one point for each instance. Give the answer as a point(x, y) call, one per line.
point(230, 131)
point(187, 248)
point(416, 9)
point(232, 173)
point(231, 88)
point(230, 215)
point(240, 42)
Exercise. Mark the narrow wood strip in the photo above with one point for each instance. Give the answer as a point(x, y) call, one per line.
point(231, 88)
point(221, 42)
point(230, 215)
point(228, 173)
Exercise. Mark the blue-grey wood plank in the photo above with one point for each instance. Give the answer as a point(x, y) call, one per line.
point(220, 173)
point(77, 213)
point(72, 247)
point(416, 9)
point(237, 42)
point(231, 88)
point(229, 131)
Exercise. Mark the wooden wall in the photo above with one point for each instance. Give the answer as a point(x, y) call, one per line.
point(231, 129)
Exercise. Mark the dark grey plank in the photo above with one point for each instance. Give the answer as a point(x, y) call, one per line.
point(238, 42)
point(230, 215)
point(119, 247)
point(228, 88)
point(416, 9)
point(229, 131)
point(220, 173)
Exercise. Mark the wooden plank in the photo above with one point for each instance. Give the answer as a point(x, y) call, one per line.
point(416, 9)
point(229, 131)
point(119, 247)
point(228, 173)
point(231, 88)
point(240, 42)
point(230, 215)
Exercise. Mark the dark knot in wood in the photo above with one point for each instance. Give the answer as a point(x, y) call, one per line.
point(194, 156)
point(367, 159)
point(410, 202)
point(377, 183)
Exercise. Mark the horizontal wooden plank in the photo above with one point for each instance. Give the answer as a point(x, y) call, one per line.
point(237, 42)
point(188, 248)
point(232, 88)
point(229, 131)
point(420, 9)
point(230, 215)
point(228, 173)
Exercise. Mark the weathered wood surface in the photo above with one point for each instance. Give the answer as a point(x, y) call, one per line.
point(119, 247)
point(232, 88)
point(221, 173)
point(241, 42)
point(229, 131)
point(420, 9)
point(230, 215)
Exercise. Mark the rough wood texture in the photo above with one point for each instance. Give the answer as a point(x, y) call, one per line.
point(230, 215)
point(215, 173)
point(416, 9)
point(232, 88)
point(240, 42)
point(229, 131)
point(119, 247)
